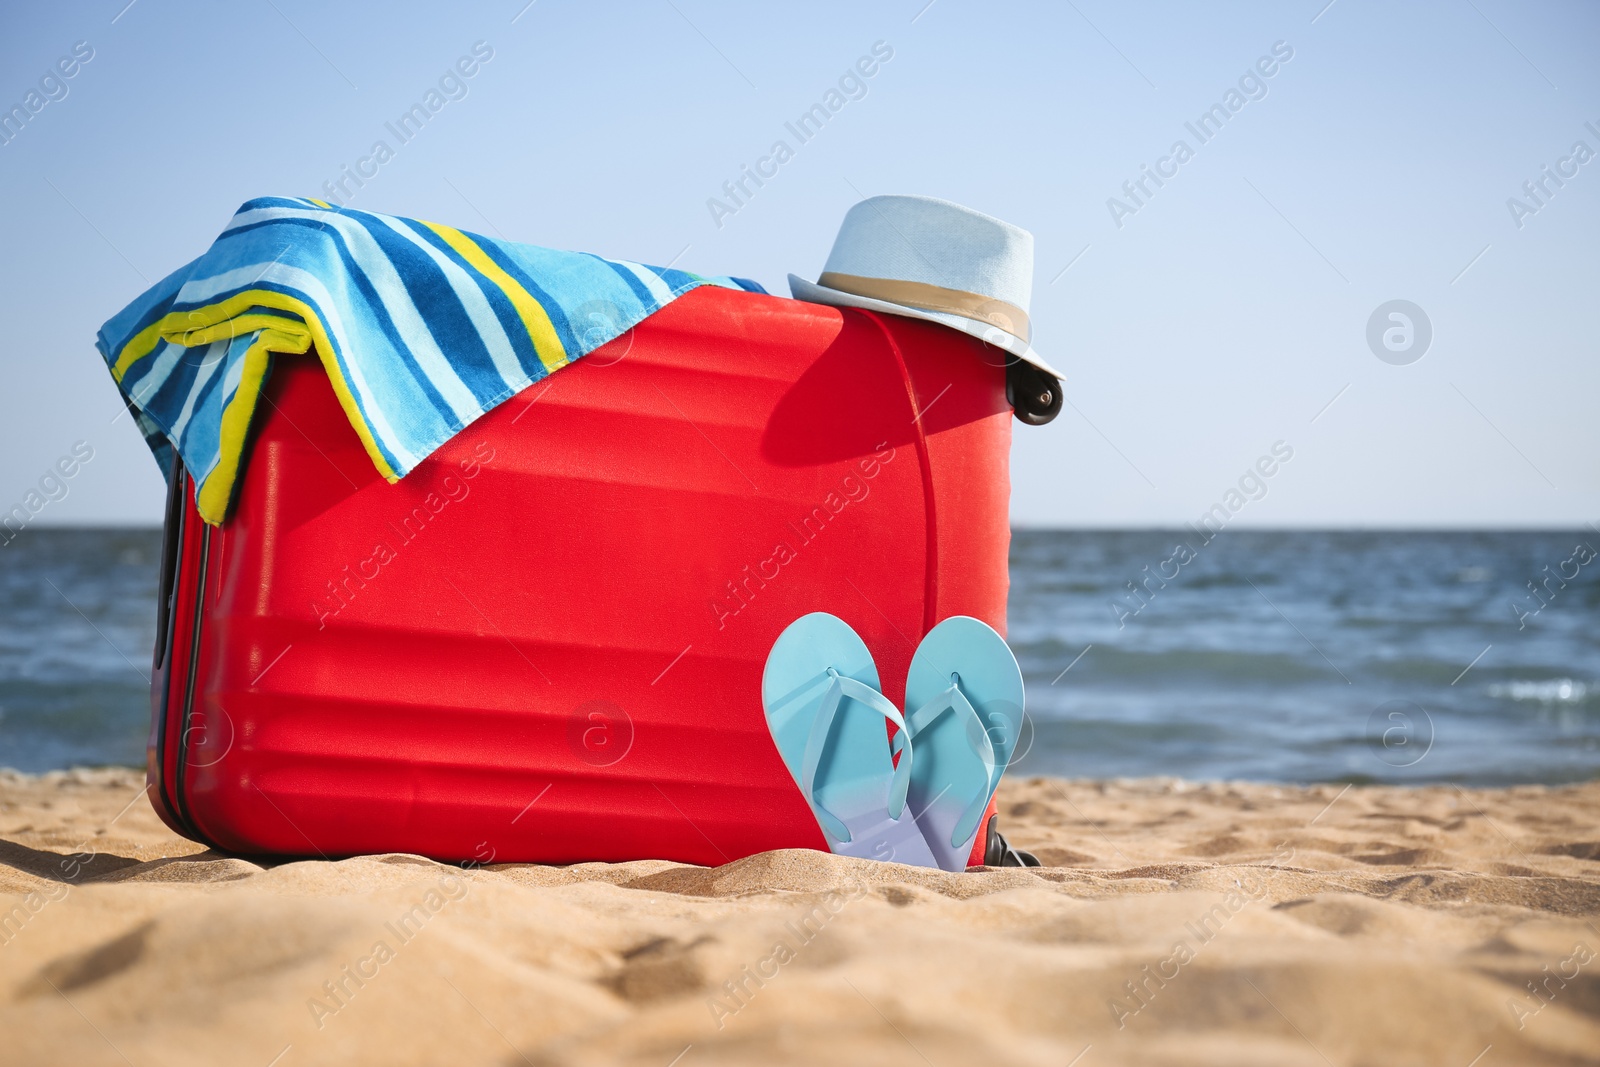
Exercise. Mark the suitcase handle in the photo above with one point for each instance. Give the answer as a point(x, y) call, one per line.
point(171, 535)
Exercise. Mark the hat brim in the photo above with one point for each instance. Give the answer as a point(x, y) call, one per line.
point(813, 293)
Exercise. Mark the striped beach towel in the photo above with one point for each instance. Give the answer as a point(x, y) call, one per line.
point(421, 328)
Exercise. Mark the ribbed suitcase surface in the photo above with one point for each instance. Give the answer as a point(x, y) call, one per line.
point(546, 642)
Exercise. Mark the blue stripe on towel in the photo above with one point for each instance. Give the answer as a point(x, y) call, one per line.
point(417, 340)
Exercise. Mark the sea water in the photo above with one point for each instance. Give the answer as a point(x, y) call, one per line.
point(1310, 656)
point(1289, 656)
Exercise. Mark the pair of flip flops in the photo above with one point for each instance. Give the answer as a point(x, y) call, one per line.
point(919, 799)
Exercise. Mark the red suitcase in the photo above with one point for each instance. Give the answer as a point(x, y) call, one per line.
point(546, 642)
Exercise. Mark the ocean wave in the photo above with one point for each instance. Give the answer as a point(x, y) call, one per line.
point(1544, 691)
point(1228, 666)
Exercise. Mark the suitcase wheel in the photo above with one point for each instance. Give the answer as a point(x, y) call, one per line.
point(1035, 395)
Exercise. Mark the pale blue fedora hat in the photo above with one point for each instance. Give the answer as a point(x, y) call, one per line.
point(931, 259)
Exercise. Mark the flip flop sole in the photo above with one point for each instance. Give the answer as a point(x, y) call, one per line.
point(855, 768)
point(948, 774)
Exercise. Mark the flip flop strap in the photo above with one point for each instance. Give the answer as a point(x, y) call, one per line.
point(955, 701)
point(839, 688)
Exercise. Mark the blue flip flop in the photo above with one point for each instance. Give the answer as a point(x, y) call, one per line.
point(826, 713)
point(964, 705)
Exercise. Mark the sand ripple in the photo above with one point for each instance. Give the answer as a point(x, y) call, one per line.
point(1174, 923)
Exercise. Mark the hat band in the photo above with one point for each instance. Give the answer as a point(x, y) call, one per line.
point(1007, 317)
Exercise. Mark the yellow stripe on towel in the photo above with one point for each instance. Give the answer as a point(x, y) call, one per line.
point(216, 491)
point(292, 336)
point(534, 317)
point(330, 363)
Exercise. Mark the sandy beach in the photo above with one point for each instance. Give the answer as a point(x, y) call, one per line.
point(1173, 922)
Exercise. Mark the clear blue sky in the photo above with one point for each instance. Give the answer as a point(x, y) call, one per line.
point(1222, 316)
